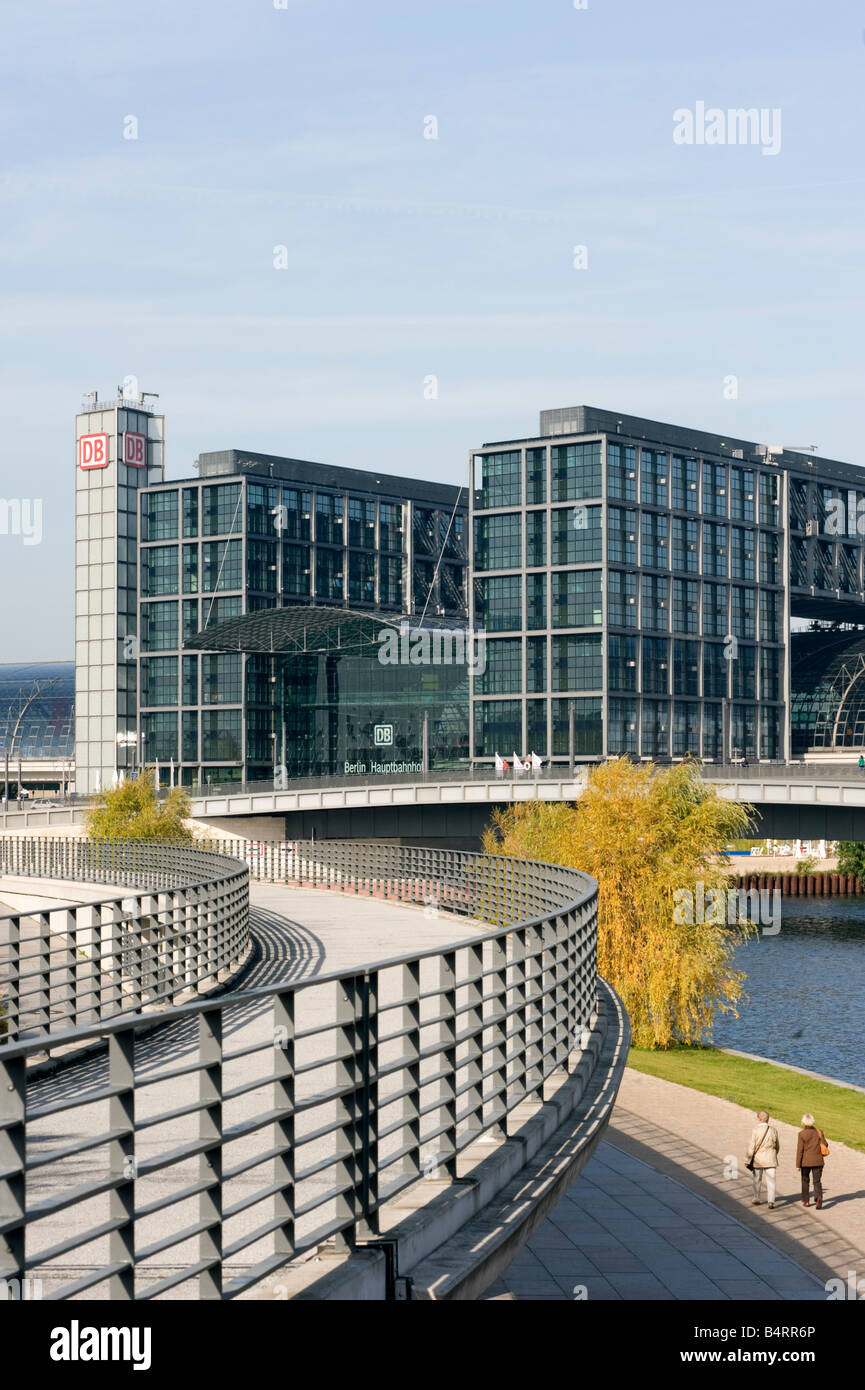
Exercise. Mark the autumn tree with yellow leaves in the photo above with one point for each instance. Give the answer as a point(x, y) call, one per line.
point(650, 837)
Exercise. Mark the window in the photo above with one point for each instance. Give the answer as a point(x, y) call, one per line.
point(536, 664)
point(744, 672)
point(424, 531)
point(221, 739)
point(536, 538)
point(770, 732)
point(261, 565)
point(190, 511)
point(622, 598)
point(587, 724)
point(622, 472)
point(455, 531)
point(160, 735)
point(743, 552)
point(685, 497)
point(361, 577)
point(576, 471)
point(536, 601)
point(715, 667)
point(577, 663)
point(770, 616)
point(686, 605)
point(685, 550)
point(577, 598)
point(770, 559)
point(498, 728)
point(621, 662)
point(536, 476)
point(714, 549)
point(362, 523)
point(656, 728)
point(498, 542)
point(770, 499)
point(715, 622)
point(653, 478)
point(297, 507)
point(391, 581)
point(653, 531)
point(503, 671)
point(498, 603)
point(221, 676)
point(686, 729)
point(190, 618)
point(190, 569)
point(577, 538)
point(189, 735)
point(328, 518)
point(656, 662)
point(220, 507)
point(742, 505)
point(390, 531)
point(328, 573)
point(159, 626)
point(655, 602)
point(159, 569)
point(713, 726)
point(622, 537)
point(498, 479)
point(536, 726)
point(261, 514)
point(190, 680)
point(159, 516)
point(622, 729)
point(221, 565)
point(295, 570)
point(714, 489)
point(686, 673)
point(219, 610)
point(743, 616)
point(159, 680)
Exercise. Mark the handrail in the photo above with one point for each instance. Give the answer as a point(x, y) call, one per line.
point(254, 1127)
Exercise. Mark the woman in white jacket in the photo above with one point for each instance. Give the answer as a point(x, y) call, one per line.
point(763, 1155)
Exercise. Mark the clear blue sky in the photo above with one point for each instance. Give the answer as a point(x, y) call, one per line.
point(410, 257)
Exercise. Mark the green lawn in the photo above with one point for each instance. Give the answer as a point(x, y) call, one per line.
point(760, 1086)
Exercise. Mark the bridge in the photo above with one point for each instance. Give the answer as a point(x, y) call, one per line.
point(796, 800)
point(409, 1121)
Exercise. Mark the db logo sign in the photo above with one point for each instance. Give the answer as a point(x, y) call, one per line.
point(134, 450)
point(93, 451)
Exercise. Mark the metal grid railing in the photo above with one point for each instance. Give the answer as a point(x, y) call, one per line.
point(184, 921)
point(255, 1127)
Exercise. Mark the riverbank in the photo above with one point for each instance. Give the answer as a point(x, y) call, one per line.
point(757, 1085)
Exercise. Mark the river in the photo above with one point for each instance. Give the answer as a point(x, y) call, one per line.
point(806, 990)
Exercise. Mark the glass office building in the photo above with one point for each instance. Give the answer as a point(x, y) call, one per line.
point(254, 533)
point(637, 582)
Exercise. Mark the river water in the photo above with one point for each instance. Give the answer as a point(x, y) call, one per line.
point(806, 990)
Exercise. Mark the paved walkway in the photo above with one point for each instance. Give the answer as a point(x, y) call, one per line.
point(657, 1216)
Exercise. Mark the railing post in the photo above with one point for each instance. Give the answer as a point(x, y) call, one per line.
point(368, 1118)
point(13, 1157)
point(210, 1162)
point(122, 1162)
point(283, 1101)
point(445, 1127)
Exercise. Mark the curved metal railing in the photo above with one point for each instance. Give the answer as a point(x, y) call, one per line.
point(182, 924)
point(257, 1126)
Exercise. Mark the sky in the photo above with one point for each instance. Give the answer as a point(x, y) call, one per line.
point(346, 232)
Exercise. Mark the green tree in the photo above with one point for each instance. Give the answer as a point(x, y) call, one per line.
point(133, 811)
point(851, 858)
point(654, 841)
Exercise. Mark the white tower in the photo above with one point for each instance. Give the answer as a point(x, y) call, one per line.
point(119, 447)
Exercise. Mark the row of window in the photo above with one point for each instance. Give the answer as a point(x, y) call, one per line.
point(642, 728)
point(650, 539)
point(650, 665)
point(652, 476)
point(296, 514)
point(637, 601)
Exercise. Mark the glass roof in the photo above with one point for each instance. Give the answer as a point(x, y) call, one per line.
point(37, 709)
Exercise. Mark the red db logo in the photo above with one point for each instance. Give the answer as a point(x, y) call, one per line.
point(93, 451)
point(134, 450)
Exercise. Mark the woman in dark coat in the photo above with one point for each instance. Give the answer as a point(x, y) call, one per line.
point(809, 1160)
